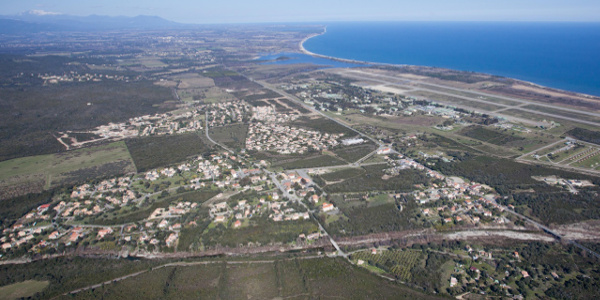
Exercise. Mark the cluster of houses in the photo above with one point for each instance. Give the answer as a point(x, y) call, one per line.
point(74, 76)
point(464, 275)
point(279, 212)
point(87, 200)
point(286, 139)
point(157, 124)
point(47, 221)
point(269, 133)
point(469, 203)
point(268, 114)
point(220, 114)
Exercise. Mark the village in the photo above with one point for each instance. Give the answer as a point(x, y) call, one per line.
point(269, 133)
point(74, 76)
point(177, 122)
point(234, 193)
point(68, 222)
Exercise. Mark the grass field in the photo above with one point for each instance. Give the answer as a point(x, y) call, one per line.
point(262, 232)
point(323, 125)
point(395, 262)
point(372, 180)
point(206, 95)
point(354, 152)
point(313, 162)
point(342, 174)
point(321, 278)
point(193, 81)
point(491, 136)
point(23, 289)
point(52, 170)
point(233, 136)
point(363, 219)
point(159, 151)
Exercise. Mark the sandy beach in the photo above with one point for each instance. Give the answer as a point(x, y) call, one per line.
point(303, 50)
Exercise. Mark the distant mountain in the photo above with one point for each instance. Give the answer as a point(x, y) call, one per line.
point(40, 21)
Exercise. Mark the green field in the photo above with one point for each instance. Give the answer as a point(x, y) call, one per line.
point(23, 289)
point(342, 174)
point(323, 125)
point(373, 180)
point(233, 136)
point(69, 273)
point(491, 136)
point(395, 262)
point(261, 231)
point(355, 152)
point(312, 162)
point(36, 173)
point(280, 279)
point(363, 219)
point(160, 151)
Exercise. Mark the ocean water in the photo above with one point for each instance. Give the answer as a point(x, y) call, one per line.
point(559, 55)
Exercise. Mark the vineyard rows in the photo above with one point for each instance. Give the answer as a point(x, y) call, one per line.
point(395, 262)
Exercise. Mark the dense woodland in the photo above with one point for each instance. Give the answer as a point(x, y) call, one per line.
point(31, 114)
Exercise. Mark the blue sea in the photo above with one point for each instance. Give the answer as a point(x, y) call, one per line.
point(559, 55)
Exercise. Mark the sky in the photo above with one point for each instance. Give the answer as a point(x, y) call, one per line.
point(262, 11)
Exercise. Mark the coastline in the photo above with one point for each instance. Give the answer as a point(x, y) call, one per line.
point(304, 51)
point(367, 63)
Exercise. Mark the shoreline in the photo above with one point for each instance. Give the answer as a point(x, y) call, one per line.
point(304, 51)
point(367, 63)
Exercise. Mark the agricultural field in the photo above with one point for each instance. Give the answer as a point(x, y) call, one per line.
point(37, 173)
point(296, 279)
point(233, 136)
point(323, 125)
point(354, 152)
point(229, 79)
point(193, 81)
point(373, 179)
point(360, 218)
point(67, 274)
point(23, 289)
point(261, 231)
point(159, 151)
point(394, 262)
point(342, 174)
point(492, 136)
point(205, 95)
point(585, 135)
point(312, 162)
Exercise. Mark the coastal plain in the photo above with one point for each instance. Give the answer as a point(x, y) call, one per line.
point(235, 175)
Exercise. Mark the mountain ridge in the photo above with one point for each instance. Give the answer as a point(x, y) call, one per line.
point(36, 22)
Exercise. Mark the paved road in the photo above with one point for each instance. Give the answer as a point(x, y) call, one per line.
point(549, 231)
point(312, 109)
point(295, 198)
point(210, 139)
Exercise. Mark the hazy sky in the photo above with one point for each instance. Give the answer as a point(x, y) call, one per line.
point(242, 11)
